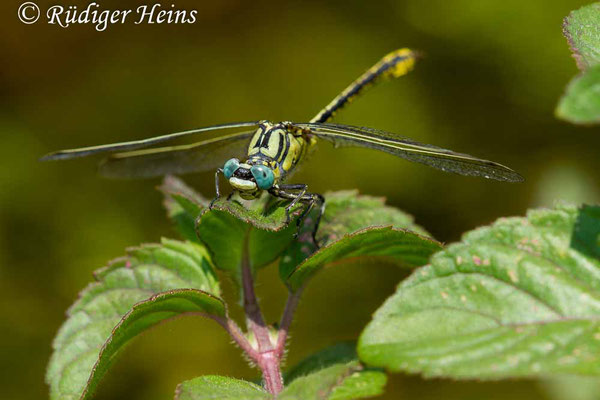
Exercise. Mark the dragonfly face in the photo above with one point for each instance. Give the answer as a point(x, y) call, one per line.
point(249, 178)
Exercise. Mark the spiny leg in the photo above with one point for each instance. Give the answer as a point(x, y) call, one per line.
point(310, 199)
point(219, 171)
point(302, 188)
point(314, 199)
point(284, 192)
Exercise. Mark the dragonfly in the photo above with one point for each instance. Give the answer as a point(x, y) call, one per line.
point(262, 154)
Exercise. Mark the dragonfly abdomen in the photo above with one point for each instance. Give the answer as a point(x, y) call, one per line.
point(393, 65)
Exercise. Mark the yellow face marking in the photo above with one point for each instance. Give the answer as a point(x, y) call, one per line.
point(241, 184)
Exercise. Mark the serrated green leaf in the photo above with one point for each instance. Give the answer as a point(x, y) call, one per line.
point(366, 383)
point(230, 228)
point(581, 102)
point(406, 248)
point(183, 205)
point(219, 387)
point(336, 354)
point(511, 299)
point(233, 233)
point(582, 30)
point(344, 381)
point(132, 294)
point(360, 385)
point(356, 226)
point(347, 212)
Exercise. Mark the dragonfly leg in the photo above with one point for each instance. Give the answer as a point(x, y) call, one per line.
point(303, 188)
point(298, 193)
point(315, 198)
point(285, 192)
point(219, 171)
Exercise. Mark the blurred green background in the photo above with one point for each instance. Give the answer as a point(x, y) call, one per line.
point(492, 75)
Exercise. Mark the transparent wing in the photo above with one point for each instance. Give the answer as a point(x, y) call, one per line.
point(446, 160)
point(138, 144)
point(197, 157)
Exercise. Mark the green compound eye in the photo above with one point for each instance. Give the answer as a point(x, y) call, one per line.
point(230, 167)
point(263, 175)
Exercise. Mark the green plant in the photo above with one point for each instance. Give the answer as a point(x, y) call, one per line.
point(581, 102)
point(518, 298)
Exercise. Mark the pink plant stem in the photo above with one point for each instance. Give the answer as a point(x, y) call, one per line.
point(286, 321)
point(236, 334)
point(254, 317)
point(267, 358)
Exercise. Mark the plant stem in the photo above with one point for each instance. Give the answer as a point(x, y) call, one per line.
point(237, 335)
point(286, 321)
point(267, 358)
point(254, 318)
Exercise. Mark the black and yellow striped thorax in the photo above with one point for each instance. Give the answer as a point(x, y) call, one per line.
point(279, 146)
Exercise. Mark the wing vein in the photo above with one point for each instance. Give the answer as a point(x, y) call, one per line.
point(138, 144)
point(411, 150)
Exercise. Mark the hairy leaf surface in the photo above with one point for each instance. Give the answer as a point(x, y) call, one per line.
point(254, 232)
point(358, 226)
point(339, 353)
point(219, 387)
point(582, 30)
point(342, 381)
point(581, 102)
point(183, 205)
point(511, 299)
point(132, 294)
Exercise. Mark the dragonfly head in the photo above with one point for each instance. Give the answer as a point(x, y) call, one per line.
point(249, 180)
